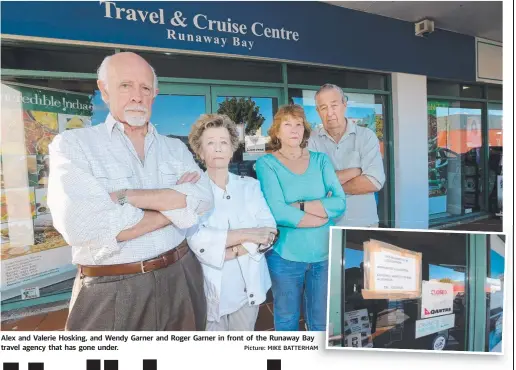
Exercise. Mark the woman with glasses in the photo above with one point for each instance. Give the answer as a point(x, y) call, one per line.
point(229, 241)
point(305, 196)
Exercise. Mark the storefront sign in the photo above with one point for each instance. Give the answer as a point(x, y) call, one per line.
point(437, 299)
point(177, 23)
point(434, 325)
point(257, 29)
point(43, 100)
point(391, 272)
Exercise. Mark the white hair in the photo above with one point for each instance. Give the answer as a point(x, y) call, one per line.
point(326, 87)
point(102, 74)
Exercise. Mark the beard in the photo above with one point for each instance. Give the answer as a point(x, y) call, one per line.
point(136, 120)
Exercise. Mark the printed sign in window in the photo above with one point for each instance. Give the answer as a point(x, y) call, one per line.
point(437, 299)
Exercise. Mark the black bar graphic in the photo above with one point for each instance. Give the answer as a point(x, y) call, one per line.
point(36, 366)
point(110, 364)
point(273, 364)
point(92, 364)
point(11, 366)
point(150, 364)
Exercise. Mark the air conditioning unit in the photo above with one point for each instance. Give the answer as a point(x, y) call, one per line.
point(424, 27)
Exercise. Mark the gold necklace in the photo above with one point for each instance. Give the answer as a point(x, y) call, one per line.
point(290, 159)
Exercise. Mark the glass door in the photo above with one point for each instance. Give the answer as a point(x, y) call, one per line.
point(253, 110)
point(409, 323)
point(366, 110)
point(177, 107)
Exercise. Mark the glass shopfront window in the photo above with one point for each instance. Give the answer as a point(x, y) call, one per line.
point(495, 140)
point(34, 111)
point(36, 107)
point(253, 111)
point(455, 170)
point(32, 251)
point(366, 110)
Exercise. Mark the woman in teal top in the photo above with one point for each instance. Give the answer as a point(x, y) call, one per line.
point(305, 196)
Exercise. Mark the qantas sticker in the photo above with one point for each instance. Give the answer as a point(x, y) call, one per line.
point(437, 299)
point(437, 311)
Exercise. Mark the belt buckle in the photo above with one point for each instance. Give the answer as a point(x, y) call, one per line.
point(142, 267)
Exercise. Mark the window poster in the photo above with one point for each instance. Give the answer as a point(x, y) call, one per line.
point(437, 299)
point(31, 249)
point(357, 329)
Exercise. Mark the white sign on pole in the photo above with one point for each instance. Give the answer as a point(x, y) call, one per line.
point(255, 144)
point(436, 299)
point(394, 272)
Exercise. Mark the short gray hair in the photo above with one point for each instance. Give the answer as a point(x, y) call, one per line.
point(102, 73)
point(326, 87)
point(206, 121)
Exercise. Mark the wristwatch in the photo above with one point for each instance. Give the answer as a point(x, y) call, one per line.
point(302, 206)
point(122, 197)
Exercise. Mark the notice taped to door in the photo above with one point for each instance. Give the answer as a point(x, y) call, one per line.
point(391, 272)
point(437, 299)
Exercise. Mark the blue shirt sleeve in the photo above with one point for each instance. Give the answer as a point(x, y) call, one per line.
point(335, 205)
point(285, 214)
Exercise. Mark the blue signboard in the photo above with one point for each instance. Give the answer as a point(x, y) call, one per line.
point(294, 31)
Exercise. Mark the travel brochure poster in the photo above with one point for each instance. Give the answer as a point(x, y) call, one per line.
point(27, 232)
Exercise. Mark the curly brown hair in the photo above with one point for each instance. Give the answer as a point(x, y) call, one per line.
point(206, 121)
point(283, 113)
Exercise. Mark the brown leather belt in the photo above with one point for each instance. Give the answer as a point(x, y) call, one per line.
point(156, 263)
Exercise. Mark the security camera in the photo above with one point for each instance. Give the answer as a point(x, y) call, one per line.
point(424, 27)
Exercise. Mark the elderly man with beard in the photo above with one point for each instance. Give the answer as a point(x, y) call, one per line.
point(123, 196)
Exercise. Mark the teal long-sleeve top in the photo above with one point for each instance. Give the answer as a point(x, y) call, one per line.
point(281, 187)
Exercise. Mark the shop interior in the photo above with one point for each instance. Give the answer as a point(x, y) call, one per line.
point(394, 323)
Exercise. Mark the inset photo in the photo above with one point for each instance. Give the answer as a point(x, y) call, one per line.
point(416, 290)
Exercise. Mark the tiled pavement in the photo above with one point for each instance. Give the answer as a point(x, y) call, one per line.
point(493, 224)
point(51, 321)
point(55, 321)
